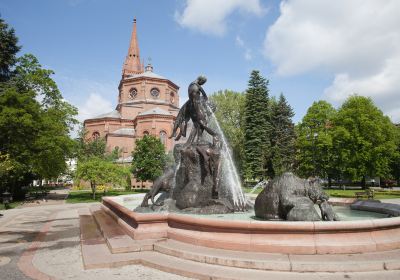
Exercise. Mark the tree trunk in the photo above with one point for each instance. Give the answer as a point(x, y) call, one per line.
point(363, 185)
point(93, 187)
point(329, 182)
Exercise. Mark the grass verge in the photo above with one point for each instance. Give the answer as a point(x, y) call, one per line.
point(379, 194)
point(86, 195)
point(12, 205)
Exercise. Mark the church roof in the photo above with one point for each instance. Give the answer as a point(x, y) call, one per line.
point(146, 74)
point(112, 114)
point(155, 111)
point(124, 131)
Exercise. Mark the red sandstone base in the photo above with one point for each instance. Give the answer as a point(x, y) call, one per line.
point(261, 236)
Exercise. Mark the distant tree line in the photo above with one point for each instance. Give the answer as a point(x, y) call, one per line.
point(353, 142)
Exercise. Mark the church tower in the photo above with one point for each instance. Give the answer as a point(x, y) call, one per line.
point(132, 64)
point(148, 104)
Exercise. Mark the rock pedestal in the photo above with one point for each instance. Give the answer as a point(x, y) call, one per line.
point(197, 180)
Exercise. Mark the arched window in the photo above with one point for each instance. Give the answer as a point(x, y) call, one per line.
point(95, 135)
point(155, 93)
point(145, 132)
point(132, 93)
point(172, 97)
point(163, 137)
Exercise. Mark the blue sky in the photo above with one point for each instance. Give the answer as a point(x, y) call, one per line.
point(308, 49)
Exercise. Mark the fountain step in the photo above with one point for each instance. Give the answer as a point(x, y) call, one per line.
point(97, 254)
point(116, 238)
point(90, 233)
point(389, 260)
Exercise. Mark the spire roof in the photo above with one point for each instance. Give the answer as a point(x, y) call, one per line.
point(132, 64)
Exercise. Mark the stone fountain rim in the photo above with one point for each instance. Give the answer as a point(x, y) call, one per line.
point(203, 223)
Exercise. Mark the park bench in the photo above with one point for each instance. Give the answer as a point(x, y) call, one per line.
point(369, 194)
point(29, 197)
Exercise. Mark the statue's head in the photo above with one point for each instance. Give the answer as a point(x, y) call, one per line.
point(201, 80)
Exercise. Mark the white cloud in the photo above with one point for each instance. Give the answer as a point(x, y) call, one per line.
point(357, 41)
point(239, 41)
point(210, 16)
point(91, 97)
point(247, 51)
point(94, 105)
point(248, 54)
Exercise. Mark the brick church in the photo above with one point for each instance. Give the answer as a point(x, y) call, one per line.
point(147, 105)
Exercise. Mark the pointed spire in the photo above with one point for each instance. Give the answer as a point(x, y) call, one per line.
point(132, 64)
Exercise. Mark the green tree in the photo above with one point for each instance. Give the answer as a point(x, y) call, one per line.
point(367, 137)
point(395, 164)
point(86, 148)
point(148, 158)
point(257, 127)
point(19, 125)
point(99, 171)
point(315, 156)
point(230, 115)
point(54, 145)
point(283, 137)
point(35, 121)
point(8, 50)
point(30, 76)
point(7, 167)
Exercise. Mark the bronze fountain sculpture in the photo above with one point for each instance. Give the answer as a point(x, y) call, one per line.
point(195, 184)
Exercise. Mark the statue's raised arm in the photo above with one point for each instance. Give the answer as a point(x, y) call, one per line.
point(193, 109)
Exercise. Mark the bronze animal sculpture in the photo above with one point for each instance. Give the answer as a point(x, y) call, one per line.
point(327, 212)
point(288, 197)
point(162, 184)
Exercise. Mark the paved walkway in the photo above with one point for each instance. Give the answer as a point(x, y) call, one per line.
point(41, 241)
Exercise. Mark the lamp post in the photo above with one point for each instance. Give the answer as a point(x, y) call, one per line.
point(7, 198)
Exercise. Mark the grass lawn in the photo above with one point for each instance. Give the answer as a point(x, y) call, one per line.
point(248, 190)
point(11, 205)
point(86, 195)
point(381, 194)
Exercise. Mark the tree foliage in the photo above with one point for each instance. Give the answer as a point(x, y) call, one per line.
point(8, 50)
point(35, 121)
point(395, 164)
point(87, 148)
point(352, 143)
point(148, 158)
point(315, 141)
point(230, 115)
point(368, 136)
point(282, 137)
point(257, 126)
point(99, 171)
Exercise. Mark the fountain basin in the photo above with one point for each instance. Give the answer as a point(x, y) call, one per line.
point(320, 237)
